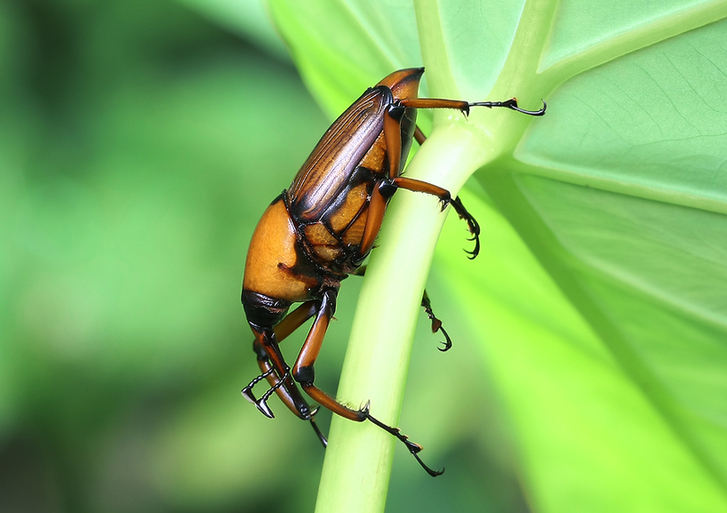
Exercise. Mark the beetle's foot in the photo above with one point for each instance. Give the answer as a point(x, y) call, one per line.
point(413, 447)
point(472, 225)
point(436, 323)
point(447, 344)
point(444, 203)
point(512, 105)
point(320, 434)
point(363, 412)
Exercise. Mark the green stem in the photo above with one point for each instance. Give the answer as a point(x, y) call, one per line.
point(357, 464)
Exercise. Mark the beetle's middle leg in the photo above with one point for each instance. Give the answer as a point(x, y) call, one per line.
point(386, 187)
point(445, 197)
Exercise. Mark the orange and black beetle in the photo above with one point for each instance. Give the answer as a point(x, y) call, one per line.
point(319, 231)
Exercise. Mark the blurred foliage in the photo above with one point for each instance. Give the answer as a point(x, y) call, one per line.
point(139, 143)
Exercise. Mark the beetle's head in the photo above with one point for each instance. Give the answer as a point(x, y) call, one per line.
point(404, 83)
point(263, 311)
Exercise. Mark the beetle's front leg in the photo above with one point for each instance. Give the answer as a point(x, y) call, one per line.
point(273, 367)
point(264, 338)
point(291, 397)
point(284, 386)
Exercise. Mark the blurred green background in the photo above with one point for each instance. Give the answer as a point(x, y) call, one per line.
point(139, 143)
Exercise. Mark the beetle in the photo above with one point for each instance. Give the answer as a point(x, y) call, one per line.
point(320, 229)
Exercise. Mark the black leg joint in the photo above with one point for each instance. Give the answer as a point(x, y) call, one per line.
point(396, 111)
point(259, 351)
point(304, 375)
point(328, 303)
point(387, 188)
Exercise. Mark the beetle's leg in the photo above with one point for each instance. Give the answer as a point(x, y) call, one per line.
point(285, 387)
point(445, 197)
point(457, 203)
point(303, 373)
point(414, 448)
point(290, 395)
point(392, 137)
point(419, 135)
point(381, 194)
point(436, 323)
point(293, 399)
point(268, 352)
point(427, 305)
point(464, 106)
point(377, 208)
point(292, 321)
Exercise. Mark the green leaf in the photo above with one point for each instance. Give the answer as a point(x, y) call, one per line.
point(247, 17)
point(598, 303)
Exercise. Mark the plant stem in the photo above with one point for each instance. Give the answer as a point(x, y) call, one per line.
point(359, 455)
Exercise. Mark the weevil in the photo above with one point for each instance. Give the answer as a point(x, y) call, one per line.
point(320, 230)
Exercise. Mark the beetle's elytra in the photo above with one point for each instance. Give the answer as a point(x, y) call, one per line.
point(320, 229)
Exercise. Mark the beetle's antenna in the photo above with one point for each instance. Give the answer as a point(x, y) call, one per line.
point(414, 448)
point(512, 104)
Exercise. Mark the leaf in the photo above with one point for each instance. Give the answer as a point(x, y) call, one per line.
point(599, 301)
point(245, 16)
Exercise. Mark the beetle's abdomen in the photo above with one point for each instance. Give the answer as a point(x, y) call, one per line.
point(327, 172)
point(275, 266)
